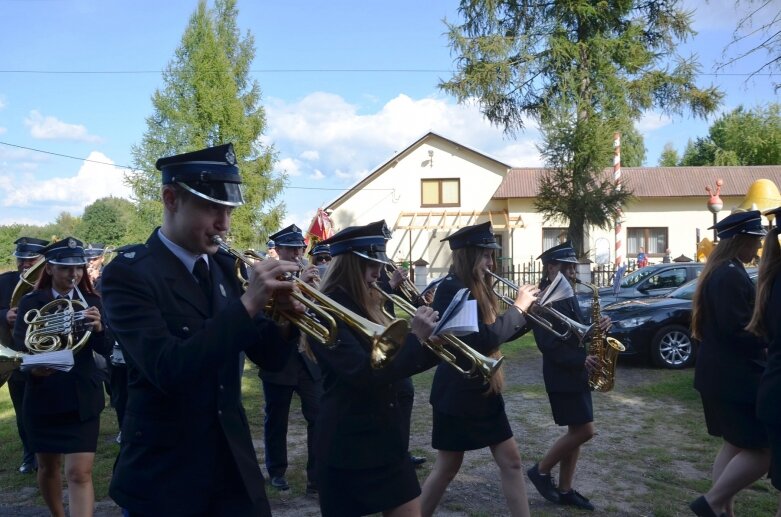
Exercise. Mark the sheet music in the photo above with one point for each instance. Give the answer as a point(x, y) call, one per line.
point(460, 317)
point(559, 289)
point(59, 360)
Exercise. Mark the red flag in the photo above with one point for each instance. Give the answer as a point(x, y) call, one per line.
point(321, 228)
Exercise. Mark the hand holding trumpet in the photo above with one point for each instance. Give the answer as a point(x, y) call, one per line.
point(266, 277)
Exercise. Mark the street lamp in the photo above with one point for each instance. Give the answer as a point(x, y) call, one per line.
point(715, 204)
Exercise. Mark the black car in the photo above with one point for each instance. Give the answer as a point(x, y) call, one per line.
point(658, 327)
point(655, 280)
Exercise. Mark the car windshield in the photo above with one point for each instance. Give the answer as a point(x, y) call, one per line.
point(686, 291)
point(636, 276)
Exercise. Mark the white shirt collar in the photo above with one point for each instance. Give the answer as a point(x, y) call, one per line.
point(186, 257)
point(56, 294)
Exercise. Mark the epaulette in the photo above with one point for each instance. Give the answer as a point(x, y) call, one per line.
point(131, 252)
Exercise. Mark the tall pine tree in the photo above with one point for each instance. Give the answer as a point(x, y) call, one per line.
point(209, 99)
point(581, 69)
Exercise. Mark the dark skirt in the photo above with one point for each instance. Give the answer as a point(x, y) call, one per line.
point(735, 422)
point(458, 433)
point(573, 408)
point(62, 433)
point(354, 492)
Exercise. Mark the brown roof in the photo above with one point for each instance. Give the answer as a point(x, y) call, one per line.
point(655, 181)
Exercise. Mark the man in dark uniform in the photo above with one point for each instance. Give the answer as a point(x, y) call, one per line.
point(300, 375)
point(176, 307)
point(28, 250)
point(565, 368)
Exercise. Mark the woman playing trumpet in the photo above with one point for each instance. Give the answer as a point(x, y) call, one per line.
point(62, 409)
point(360, 445)
point(469, 415)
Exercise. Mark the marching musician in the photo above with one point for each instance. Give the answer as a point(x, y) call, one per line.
point(62, 409)
point(176, 306)
point(300, 375)
point(766, 324)
point(730, 362)
point(28, 251)
point(320, 256)
point(362, 460)
point(565, 368)
point(469, 414)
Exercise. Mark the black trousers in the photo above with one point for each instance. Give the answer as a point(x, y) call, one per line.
point(16, 385)
point(119, 390)
point(278, 398)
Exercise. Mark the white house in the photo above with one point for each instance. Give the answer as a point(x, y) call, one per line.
point(436, 185)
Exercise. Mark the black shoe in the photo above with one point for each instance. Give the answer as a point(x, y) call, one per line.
point(27, 468)
point(311, 490)
point(573, 498)
point(544, 484)
point(280, 483)
point(701, 507)
point(417, 460)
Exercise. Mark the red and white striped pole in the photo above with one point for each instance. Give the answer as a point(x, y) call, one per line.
point(617, 179)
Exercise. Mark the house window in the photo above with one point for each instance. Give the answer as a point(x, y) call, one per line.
point(654, 240)
point(553, 237)
point(440, 192)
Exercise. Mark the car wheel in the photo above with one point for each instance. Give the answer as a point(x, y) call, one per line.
point(672, 347)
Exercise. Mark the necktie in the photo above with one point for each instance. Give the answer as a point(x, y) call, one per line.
point(201, 272)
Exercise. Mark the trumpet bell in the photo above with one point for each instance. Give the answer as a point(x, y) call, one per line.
point(386, 345)
point(10, 360)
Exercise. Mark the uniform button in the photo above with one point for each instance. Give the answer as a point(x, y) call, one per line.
point(222, 388)
point(391, 404)
point(219, 412)
point(185, 329)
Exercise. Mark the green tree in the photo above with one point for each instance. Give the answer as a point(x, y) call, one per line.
point(566, 63)
point(107, 221)
point(669, 156)
point(209, 99)
point(740, 137)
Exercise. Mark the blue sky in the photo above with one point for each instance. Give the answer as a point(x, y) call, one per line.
point(329, 126)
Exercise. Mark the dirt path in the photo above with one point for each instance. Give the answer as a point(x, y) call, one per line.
point(650, 457)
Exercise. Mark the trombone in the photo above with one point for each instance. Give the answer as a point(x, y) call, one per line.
point(319, 322)
point(544, 315)
point(480, 365)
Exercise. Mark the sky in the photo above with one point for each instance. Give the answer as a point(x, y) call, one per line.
point(346, 84)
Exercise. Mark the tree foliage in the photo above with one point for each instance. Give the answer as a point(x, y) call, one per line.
point(209, 99)
point(598, 63)
point(107, 221)
point(741, 137)
point(669, 156)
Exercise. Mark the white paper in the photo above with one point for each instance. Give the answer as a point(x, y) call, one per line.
point(460, 317)
point(59, 360)
point(559, 289)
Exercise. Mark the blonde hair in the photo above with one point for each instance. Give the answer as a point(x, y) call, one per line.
point(727, 250)
point(769, 268)
point(467, 266)
point(346, 272)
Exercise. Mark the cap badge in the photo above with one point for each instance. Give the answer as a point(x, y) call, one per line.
point(230, 157)
point(71, 243)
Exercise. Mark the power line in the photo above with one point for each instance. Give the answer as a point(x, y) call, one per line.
point(308, 70)
point(42, 151)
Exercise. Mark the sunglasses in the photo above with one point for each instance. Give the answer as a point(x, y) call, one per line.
point(321, 258)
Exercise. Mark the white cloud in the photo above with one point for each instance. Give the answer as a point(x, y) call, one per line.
point(329, 134)
point(289, 166)
point(73, 193)
point(651, 121)
point(317, 175)
point(50, 128)
point(3, 130)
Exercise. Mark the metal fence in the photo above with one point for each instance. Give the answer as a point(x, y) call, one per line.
point(531, 273)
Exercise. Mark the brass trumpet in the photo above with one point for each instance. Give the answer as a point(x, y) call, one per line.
point(319, 322)
point(408, 290)
point(544, 315)
point(481, 365)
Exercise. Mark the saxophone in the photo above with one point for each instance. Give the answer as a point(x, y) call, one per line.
point(605, 348)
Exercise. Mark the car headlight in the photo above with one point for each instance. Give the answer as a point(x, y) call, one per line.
point(631, 322)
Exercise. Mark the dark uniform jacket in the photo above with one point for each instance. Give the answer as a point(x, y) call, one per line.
point(361, 425)
point(768, 406)
point(729, 358)
point(78, 390)
point(8, 283)
point(563, 362)
point(184, 416)
point(288, 375)
point(451, 392)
